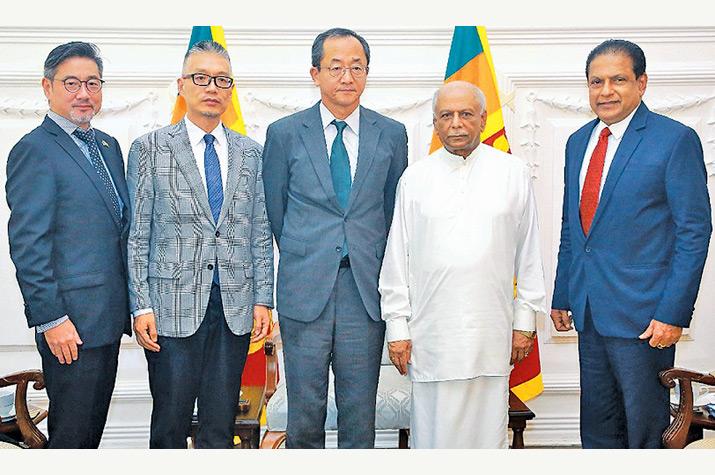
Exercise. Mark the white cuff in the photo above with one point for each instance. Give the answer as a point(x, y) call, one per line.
point(524, 318)
point(142, 311)
point(397, 329)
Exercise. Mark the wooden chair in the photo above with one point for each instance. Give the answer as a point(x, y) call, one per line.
point(686, 429)
point(393, 406)
point(24, 427)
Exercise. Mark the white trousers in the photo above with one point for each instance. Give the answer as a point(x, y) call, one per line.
point(461, 414)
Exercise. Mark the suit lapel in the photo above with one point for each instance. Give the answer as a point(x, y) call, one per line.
point(236, 158)
point(313, 138)
point(623, 155)
point(575, 176)
point(181, 151)
point(368, 139)
point(73, 150)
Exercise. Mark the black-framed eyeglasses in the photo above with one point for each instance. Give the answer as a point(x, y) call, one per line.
point(73, 85)
point(200, 79)
point(356, 71)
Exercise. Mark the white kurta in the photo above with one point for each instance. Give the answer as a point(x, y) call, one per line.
point(462, 230)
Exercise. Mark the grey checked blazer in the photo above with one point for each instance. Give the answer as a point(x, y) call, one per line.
point(174, 242)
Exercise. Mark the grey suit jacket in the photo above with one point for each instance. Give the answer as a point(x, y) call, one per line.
point(174, 242)
point(307, 220)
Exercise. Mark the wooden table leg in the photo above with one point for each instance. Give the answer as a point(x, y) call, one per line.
point(404, 436)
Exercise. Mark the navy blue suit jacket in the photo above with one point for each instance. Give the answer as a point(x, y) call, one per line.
point(307, 220)
point(643, 258)
point(68, 247)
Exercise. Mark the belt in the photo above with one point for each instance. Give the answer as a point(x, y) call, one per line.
point(345, 262)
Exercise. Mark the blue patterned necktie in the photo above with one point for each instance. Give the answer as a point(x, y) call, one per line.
point(88, 137)
point(212, 168)
point(340, 171)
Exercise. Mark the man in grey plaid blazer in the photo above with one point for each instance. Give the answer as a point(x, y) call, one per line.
point(200, 257)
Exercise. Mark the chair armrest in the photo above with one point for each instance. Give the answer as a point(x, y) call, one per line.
point(676, 435)
point(31, 435)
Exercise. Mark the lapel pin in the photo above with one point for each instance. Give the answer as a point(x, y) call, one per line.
point(105, 144)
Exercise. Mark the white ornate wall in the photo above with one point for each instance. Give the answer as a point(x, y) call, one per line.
point(541, 78)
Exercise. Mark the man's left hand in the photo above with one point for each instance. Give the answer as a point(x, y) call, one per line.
point(662, 335)
point(261, 322)
point(520, 347)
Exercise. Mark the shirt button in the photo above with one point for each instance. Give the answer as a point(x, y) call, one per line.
point(210, 267)
point(338, 249)
point(218, 234)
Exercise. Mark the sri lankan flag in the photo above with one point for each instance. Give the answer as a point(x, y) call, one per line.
point(471, 61)
point(254, 373)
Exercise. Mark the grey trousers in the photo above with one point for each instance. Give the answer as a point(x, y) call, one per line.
point(345, 336)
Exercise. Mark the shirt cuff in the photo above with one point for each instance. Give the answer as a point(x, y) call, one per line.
point(524, 318)
point(50, 325)
point(142, 311)
point(397, 329)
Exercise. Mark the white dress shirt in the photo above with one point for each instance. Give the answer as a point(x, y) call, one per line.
point(351, 134)
point(198, 145)
point(614, 140)
point(462, 230)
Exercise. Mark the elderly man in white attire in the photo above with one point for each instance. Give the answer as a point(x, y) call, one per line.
point(465, 225)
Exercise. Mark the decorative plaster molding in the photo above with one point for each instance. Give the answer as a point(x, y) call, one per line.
point(376, 36)
point(413, 79)
point(38, 108)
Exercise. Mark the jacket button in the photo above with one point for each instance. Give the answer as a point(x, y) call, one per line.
point(218, 234)
point(210, 267)
point(588, 249)
point(338, 249)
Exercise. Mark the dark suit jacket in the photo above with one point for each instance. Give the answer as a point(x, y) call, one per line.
point(307, 220)
point(68, 247)
point(644, 256)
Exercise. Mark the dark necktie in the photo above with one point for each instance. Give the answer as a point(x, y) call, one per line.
point(340, 171)
point(212, 168)
point(88, 137)
point(592, 183)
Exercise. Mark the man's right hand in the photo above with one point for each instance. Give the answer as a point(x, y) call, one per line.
point(400, 352)
point(562, 320)
point(145, 330)
point(63, 340)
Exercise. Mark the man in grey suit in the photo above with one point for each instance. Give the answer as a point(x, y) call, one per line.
point(330, 174)
point(200, 257)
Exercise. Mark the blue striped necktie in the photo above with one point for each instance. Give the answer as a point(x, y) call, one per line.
point(212, 168)
point(340, 171)
point(88, 137)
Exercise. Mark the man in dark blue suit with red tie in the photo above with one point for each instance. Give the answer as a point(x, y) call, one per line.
point(634, 238)
point(68, 240)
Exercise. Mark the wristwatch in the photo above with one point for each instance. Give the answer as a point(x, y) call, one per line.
point(529, 335)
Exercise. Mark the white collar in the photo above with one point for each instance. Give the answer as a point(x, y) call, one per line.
point(458, 160)
point(196, 134)
point(353, 120)
point(619, 128)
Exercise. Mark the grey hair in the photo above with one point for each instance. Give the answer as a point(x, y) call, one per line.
point(73, 49)
point(316, 55)
point(478, 94)
point(206, 46)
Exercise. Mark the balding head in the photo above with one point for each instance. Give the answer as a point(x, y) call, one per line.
point(460, 116)
point(459, 86)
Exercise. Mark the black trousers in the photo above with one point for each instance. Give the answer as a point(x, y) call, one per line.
point(79, 395)
point(206, 365)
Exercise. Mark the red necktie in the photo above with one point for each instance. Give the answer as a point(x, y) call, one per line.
point(592, 183)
